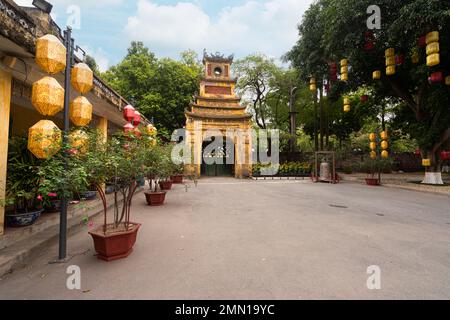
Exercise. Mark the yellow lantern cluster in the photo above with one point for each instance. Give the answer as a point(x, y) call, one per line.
point(80, 111)
point(344, 69)
point(312, 84)
point(347, 104)
point(50, 54)
point(78, 140)
point(432, 41)
point(44, 139)
point(390, 61)
point(376, 75)
point(47, 96)
point(373, 146)
point(384, 144)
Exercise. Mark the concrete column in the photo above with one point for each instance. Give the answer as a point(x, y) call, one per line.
point(5, 105)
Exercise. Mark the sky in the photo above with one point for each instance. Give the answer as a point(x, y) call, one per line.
point(105, 28)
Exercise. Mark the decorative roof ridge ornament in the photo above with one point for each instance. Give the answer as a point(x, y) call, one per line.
point(217, 57)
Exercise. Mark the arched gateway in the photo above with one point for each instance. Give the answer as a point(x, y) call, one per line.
point(217, 118)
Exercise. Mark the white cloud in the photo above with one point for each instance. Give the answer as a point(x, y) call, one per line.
point(256, 26)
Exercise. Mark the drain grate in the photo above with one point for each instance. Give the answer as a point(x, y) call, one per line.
point(338, 206)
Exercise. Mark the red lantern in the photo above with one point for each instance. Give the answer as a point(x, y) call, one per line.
point(417, 152)
point(128, 128)
point(445, 155)
point(436, 77)
point(369, 46)
point(137, 118)
point(128, 113)
point(422, 41)
point(364, 98)
point(399, 59)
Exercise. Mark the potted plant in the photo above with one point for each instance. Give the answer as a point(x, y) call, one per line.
point(371, 169)
point(154, 167)
point(165, 168)
point(22, 203)
point(120, 161)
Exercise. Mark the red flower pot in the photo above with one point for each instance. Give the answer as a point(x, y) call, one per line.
point(114, 244)
point(177, 179)
point(372, 182)
point(165, 185)
point(155, 198)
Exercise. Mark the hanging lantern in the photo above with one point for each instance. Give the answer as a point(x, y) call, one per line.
point(50, 54)
point(372, 137)
point(383, 135)
point(369, 46)
point(344, 77)
point(390, 52)
point(346, 100)
point(445, 155)
point(346, 104)
point(390, 70)
point(417, 152)
point(47, 96)
point(399, 59)
point(344, 69)
point(384, 145)
point(79, 140)
point(82, 78)
point(312, 84)
point(426, 162)
point(390, 61)
point(373, 155)
point(432, 42)
point(415, 58)
point(344, 62)
point(128, 113)
point(373, 146)
point(376, 75)
point(422, 42)
point(137, 118)
point(364, 98)
point(128, 127)
point(44, 139)
point(151, 130)
point(346, 108)
point(80, 111)
point(384, 154)
point(436, 77)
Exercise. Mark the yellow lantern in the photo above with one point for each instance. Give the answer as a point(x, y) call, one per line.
point(372, 137)
point(389, 52)
point(344, 69)
point(80, 111)
point(312, 87)
point(344, 76)
point(384, 145)
point(384, 154)
point(383, 135)
point(390, 61)
point(373, 146)
point(78, 140)
point(390, 70)
point(346, 100)
point(426, 162)
point(447, 80)
point(347, 108)
point(50, 54)
point(44, 139)
point(344, 62)
point(373, 155)
point(376, 75)
point(82, 78)
point(433, 60)
point(312, 81)
point(432, 36)
point(47, 96)
point(433, 47)
point(151, 130)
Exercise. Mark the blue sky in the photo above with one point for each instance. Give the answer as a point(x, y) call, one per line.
point(168, 27)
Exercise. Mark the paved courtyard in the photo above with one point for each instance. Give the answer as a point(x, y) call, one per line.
point(231, 239)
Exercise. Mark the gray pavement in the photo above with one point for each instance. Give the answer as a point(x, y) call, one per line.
point(232, 239)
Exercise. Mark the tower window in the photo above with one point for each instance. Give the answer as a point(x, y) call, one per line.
point(217, 71)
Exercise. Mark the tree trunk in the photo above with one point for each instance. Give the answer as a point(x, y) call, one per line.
point(433, 174)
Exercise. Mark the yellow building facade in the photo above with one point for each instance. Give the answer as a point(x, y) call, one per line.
point(216, 115)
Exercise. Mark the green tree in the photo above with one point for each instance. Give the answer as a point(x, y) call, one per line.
point(422, 110)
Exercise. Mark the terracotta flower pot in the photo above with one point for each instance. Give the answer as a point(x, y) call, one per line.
point(155, 198)
point(177, 179)
point(372, 182)
point(115, 244)
point(165, 185)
